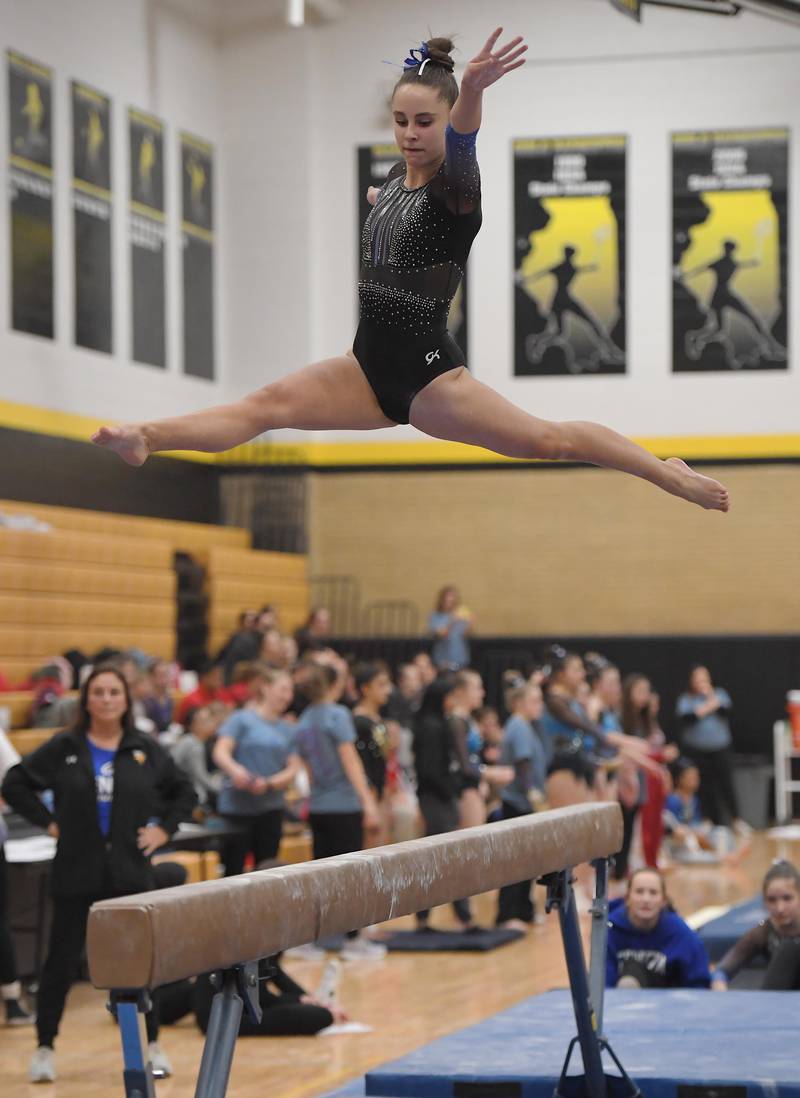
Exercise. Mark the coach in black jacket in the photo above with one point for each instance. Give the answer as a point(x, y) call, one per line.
point(117, 797)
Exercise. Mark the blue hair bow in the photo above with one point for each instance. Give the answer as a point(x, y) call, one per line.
point(417, 57)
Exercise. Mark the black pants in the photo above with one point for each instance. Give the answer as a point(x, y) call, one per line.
point(335, 833)
point(783, 971)
point(282, 1016)
point(643, 975)
point(514, 901)
point(67, 939)
point(718, 801)
point(441, 817)
point(621, 860)
point(259, 834)
point(8, 964)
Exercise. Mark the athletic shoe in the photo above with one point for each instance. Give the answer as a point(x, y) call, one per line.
point(328, 991)
point(308, 952)
point(16, 1015)
point(629, 982)
point(42, 1068)
point(159, 1061)
point(362, 949)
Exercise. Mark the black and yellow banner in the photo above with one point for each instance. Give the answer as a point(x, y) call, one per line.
point(197, 186)
point(630, 7)
point(148, 238)
point(374, 164)
point(30, 177)
point(92, 217)
point(569, 256)
point(729, 250)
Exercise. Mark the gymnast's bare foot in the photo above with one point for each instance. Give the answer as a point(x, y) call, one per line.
point(697, 488)
point(127, 440)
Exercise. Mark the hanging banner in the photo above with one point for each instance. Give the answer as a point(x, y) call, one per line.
point(374, 164)
point(198, 256)
point(569, 256)
point(629, 7)
point(147, 226)
point(730, 252)
point(92, 217)
point(30, 177)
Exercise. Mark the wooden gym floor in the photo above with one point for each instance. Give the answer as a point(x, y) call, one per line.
point(408, 1000)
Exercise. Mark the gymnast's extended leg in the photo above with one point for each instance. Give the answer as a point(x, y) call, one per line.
point(329, 395)
point(457, 407)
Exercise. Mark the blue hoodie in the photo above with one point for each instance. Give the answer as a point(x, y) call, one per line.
point(671, 948)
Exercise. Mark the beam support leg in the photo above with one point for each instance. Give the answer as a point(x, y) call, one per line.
point(237, 989)
point(129, 1008)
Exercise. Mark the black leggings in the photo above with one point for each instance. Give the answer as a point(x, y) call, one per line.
point(260, 835)
point(643, 976)
point(622, 859)
point(8, 964)
point(514, 900)
point(440, 818)
point(282, 1016)
point(783, 971)
point(67, 939)
point(335, 833)
point(718, 801)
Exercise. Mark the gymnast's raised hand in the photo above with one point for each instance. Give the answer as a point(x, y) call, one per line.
point(404, 366)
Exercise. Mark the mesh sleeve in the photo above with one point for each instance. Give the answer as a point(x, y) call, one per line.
point(459, 183)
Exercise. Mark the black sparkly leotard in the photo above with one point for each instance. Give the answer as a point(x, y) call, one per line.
point(414, 248)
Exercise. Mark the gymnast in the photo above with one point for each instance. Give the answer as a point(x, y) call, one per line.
point(776, 938)
point(649, 944)
point(404, 367)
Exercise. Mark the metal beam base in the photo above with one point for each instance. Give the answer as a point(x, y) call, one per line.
point(237, 990)
point(587, 1002)
point(129, 1008)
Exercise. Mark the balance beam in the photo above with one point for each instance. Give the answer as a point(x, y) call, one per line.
point(154, 938)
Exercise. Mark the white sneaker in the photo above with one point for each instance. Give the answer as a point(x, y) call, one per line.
point(159, 1061)
point(328, 991)
point(308, 952)
point(362, 949)
point(629, 982)
point(42, 1068)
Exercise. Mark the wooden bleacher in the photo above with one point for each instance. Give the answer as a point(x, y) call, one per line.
point(98, 579)
point(185, 537)
point(75, 589)
point(26, 740)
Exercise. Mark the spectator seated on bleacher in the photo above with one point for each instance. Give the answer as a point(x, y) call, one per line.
point(315, 631)
point(157, 695)
point(209, 688)
point(190, 753)
point(50, 709)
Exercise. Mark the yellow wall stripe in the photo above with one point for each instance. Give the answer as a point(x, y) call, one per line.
point(26, 417)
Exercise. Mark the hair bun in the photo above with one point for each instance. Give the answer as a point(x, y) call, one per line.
point(440, 50)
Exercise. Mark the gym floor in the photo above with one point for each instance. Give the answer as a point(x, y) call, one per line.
point(408, 1000)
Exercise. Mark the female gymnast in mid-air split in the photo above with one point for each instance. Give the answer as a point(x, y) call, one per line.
point(404, 366)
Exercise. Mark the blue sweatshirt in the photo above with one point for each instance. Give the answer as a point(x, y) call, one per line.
point(671, 948)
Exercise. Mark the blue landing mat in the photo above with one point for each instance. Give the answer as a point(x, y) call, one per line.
point(669, 1042)
point(718, 935)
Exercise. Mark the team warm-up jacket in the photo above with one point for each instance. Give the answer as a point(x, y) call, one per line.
point(148, 787)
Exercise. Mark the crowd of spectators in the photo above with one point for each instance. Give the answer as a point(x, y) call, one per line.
point(281, 731)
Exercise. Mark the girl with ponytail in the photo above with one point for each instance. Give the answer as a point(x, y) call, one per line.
point(404, 366)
